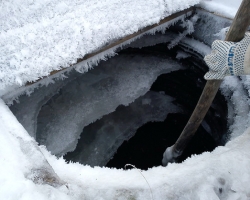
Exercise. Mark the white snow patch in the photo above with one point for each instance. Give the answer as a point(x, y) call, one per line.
point(227, 8)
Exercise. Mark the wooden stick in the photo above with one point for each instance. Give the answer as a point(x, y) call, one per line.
point(235, 34)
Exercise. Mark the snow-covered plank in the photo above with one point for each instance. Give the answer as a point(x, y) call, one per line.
point(38, 37)
point(127, 39)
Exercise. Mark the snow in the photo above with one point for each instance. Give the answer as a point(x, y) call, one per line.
point(37, 37)
point(235, 90)
point(44, 36)
point(226, 8)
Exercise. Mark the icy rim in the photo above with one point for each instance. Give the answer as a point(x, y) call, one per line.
point(37, 37)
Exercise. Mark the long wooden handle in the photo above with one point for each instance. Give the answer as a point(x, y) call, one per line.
point(235, 34)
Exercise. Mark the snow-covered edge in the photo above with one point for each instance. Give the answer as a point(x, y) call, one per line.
point(12, 93)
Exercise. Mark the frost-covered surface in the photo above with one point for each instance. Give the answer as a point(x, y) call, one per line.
point(207, 176)
point(227, 8)
point(10, 93)
point(37, 37)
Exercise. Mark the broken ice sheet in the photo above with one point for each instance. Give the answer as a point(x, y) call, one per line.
point(117, 82)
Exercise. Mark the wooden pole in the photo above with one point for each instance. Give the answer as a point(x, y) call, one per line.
point(235, 34)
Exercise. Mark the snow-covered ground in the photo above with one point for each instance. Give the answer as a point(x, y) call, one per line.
point(26, 55)
point(222, 174)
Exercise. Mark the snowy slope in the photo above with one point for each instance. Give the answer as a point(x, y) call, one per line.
point(221, 174)
point(37, 37)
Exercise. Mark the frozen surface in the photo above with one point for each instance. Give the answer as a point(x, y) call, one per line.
point(100, 140)
point(95, 94)
point(207, 176)
point(227, 8)
point(37, 37)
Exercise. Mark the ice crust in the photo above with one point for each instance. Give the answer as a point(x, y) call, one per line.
point(100, 140)
point(95, 94)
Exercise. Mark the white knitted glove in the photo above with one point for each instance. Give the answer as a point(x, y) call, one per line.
point(228, 58)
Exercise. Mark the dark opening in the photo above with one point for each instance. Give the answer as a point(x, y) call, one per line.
point(146, 147)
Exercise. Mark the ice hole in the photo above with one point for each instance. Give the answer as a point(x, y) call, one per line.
point(128, 109)
point(140, 132)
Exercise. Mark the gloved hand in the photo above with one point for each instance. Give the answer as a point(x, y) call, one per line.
point(228, 58)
